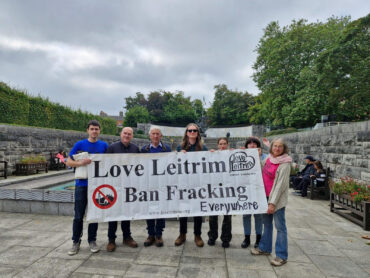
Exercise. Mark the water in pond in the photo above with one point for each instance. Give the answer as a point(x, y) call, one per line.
point(70, 186)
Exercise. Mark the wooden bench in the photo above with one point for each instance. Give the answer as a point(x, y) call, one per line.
point(4, 170)
point(30, 168)
point(322, 192)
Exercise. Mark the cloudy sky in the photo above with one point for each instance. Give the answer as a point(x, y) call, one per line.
point(92, 54)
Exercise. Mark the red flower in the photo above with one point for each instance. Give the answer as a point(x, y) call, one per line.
point(356, 193)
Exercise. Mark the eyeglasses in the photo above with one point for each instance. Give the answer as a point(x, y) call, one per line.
point(192, 130)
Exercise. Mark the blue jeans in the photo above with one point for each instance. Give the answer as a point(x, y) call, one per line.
point(281, 244)
point(155, 227)
point(257, 224)
point(80, 208)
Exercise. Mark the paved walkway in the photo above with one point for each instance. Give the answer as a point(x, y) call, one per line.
point(321, 244)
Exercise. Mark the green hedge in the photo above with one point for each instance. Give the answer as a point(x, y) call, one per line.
point(17, 107)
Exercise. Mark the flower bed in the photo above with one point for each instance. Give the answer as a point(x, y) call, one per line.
point(31, 165)
point(351, 199)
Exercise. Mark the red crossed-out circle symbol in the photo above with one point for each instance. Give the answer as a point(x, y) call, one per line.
point(104, 200)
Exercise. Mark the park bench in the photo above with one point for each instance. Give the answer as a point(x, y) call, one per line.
point(4, 170)
point(322, 192)
point(30, 168)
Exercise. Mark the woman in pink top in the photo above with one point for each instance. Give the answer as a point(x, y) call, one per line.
point(275, 173)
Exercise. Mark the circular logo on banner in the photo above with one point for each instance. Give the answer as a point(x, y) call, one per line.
point(104, 196)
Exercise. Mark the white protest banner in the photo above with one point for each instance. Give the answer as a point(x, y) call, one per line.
point(163, 185)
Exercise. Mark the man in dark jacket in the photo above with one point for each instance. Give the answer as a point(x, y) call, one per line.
point(303, 177)
point(123, 146)
point(155, 226)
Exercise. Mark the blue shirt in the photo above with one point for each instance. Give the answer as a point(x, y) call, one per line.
point(263, 156)
point(151, 149)
point(86, 146)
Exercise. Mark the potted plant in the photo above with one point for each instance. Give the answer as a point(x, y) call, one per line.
point(350, 198)
point(31, 164)
point(294, 169)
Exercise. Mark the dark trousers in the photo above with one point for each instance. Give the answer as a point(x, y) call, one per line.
point(80, 209)
point(303, 185)
point(112, 228)
point(197, 225)
point(155, 227)
point(225, 230)
point(295, 180)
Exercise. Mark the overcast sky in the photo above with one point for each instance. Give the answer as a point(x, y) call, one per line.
point(92, 54)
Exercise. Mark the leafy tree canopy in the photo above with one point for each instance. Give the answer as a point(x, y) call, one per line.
point(165, 108)
point(287, 72)
point(229, 107)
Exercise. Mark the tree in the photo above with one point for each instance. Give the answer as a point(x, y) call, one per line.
point(198, 108)
point(138, 100)
point(345, 71)
point(155, 106)
point(136, 114)
point(286, 73)
point(229, 107)
point(178, 109)
point(163, 107)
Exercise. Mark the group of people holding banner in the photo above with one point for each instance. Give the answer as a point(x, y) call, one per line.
point(275, 174)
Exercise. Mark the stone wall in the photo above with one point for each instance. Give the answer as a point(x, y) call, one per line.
point(241, 132)
point(18, 141)
point(343, 148)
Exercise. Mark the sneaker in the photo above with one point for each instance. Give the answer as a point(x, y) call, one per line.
point(149, 241)
point(225, 244)
point(111, 246)
point(198, 241)
point(159, 241)
point(130, 242)
point(278, 261)
point(75, 248)
point(211, 242)
point(93, 247)
point(180, 239)
point(257, 251)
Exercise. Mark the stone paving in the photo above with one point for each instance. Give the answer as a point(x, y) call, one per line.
point(321, 244)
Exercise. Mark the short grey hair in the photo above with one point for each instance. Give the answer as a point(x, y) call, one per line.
point(154, 127)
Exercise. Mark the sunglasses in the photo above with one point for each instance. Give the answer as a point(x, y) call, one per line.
point(192, 130)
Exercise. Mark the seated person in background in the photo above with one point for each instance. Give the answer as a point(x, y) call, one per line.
point(303, 177)
point(320, 175)
point(61, 157)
